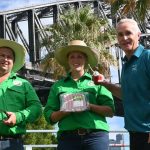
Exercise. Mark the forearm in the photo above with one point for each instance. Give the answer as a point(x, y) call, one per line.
point(3, 116)
point(58, 115)
point(115, 89)
point(29, 114)
point(149, 138)
point(101, 110)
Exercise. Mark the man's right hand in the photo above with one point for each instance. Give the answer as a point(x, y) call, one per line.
point(11, 121)
point(115, 89)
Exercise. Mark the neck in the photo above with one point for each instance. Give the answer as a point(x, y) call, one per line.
point(130, 53)
point(76, 75)
point(4, 77)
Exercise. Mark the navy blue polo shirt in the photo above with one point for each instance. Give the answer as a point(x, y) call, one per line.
point(135, 82)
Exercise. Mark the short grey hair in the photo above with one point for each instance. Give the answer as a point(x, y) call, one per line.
point(131, 21)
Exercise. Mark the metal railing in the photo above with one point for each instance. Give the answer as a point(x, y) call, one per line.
point(112, 144)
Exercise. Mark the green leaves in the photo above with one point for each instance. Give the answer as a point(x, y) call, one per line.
point(40, 138)
point(130, 7)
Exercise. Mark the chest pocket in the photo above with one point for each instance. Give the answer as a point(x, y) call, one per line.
point(15, 97)
point(62, 90)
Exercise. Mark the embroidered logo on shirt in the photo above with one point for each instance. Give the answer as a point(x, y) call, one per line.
point(147, 124)
point(91, 83)
point(17, 83)
point(134, 67)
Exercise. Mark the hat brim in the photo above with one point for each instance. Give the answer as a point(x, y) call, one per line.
point(18, 50)
point(61, 54)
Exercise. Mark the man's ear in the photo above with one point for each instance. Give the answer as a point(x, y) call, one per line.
point(139, 35)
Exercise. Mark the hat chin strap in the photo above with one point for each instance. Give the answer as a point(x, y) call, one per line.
point(91, 68)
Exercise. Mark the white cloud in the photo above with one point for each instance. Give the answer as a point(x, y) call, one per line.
point(116, 123)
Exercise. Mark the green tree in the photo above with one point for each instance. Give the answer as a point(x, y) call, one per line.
point(40, 138)
point(126, 7)
point(80, 24)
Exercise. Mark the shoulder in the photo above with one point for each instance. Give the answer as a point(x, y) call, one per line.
point(146, 54)
point(146, 51)
point(58, 83)
point(19, 81)
point(23, 80)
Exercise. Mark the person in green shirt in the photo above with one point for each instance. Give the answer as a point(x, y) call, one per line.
point(19, 103)
point(78, 105)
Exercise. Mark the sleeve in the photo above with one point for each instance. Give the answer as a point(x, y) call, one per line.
point(52, 105)
point(105, 98)
point(3, 116)
point(33, 107)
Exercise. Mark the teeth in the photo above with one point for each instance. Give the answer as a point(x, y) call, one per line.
point(76, 65)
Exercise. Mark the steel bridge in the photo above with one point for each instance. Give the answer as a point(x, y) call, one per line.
point(26, 26)
point(33, 16)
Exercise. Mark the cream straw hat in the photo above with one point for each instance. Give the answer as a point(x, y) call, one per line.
point(61, 53)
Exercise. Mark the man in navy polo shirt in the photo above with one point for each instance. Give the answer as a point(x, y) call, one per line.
point(135, 84)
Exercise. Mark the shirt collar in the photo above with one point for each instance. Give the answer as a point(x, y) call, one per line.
point(86, 75)
point(137, 52)
point(12, 75)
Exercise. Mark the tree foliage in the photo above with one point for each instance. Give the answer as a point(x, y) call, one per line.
point(130, 7)
point(81, 24)
point(40, 138)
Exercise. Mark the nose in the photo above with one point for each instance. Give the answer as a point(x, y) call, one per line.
point(125, 37)
point(6, 57)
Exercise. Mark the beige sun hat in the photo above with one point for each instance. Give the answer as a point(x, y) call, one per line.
point(18, 50)
point(61, 53)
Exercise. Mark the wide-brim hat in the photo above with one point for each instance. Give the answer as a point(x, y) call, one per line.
point(61, 54)
point(18, 50)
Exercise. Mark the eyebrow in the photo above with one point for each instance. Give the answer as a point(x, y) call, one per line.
point(10, 49)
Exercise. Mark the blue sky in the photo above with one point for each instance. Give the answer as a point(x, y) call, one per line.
point(116, 123)
point(15, 4)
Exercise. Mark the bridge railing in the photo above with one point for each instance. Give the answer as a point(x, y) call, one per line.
point(123, 145)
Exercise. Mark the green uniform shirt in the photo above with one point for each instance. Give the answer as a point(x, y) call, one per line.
point(98, 95)
point(18, 96)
